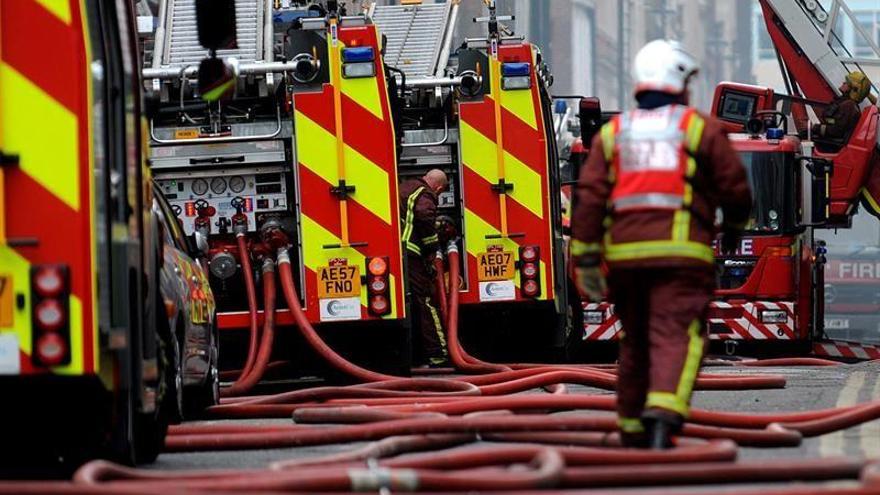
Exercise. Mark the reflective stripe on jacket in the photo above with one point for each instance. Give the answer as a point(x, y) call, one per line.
point(645, 204)
point(418, 205)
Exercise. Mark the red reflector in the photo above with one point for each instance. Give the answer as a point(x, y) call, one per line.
point(530, 288)
point(49, 281)
point(378, 266)
point(378, 284)
point(49, 315)
point(379, 304)
point(530, 270)
point(51, 349)
point(528, 253)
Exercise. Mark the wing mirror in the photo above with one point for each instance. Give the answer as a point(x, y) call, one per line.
point(816, 203)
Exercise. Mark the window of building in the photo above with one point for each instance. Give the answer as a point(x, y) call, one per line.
point(870, 23)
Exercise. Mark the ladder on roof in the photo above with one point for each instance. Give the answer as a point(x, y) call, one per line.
point(177, 41)
point(814, 26)
point(419, 36)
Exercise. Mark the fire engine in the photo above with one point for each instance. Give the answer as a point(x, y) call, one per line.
point(482, 114)
point(771, 290)
point(83, 326)
point(300, 157)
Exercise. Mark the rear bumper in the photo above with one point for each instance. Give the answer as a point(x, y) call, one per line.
point(726, 321)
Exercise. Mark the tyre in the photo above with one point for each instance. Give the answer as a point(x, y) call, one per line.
point(197, 399)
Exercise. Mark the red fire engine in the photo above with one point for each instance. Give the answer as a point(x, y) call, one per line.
point(300, 158)
point(771, 289)
point(81, 316)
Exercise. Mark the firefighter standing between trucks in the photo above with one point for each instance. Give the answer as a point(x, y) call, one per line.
point(842, 115)
point(646, 205)
point(418, 210)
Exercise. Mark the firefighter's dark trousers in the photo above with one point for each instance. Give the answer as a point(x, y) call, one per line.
point(427, 327)
point(663, 313)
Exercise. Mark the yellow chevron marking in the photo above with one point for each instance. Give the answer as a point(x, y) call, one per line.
point(479, 154)
point(59, 8)
point(475, 231)
point(315, 237)
point(18, 266)
point(364, 91)
point(370, 180)
point(520, 103)
point(42, 132)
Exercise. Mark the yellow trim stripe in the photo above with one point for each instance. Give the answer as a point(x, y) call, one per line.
point(630, 425)
point(580, 248)
point(315, 237)
point(607, 133)
point(658, 249)
point(371, 180)
point(37, 117)
point(691, 363)
point(59, 8)
point(518, 102)
point(408, 223)
point(438, 327)
point(479, 154)
point(365, 91)
point(668, 401)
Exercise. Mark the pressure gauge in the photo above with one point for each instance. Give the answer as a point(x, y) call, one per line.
point(199, 187)
point(218, 185)
point(236, 184)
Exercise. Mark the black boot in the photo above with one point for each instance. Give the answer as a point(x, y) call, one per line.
point(660, 426)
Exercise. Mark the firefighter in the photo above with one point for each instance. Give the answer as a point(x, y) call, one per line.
point(418, 211)
point(842, 115)
point(646, 206)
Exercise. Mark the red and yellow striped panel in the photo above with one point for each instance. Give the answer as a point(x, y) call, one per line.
point(45, 118)
point(361, 150)
point(517, 116)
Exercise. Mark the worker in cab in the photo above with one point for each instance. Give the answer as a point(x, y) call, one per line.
point(418, 211)
point(645, 210)
point(842, 116)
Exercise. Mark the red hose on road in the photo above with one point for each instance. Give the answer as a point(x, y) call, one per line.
point(308, 332)
point(250, 377)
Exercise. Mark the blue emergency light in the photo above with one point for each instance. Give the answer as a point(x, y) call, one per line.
point(561, 106)
point(359, 54)
point(775, 133)
point(514, 69)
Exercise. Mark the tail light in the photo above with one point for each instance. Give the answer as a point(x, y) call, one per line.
point(378, 290)
point(50, 315)
point(530, 271)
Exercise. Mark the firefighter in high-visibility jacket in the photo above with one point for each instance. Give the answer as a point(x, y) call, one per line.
point(418, 210)
point(646, 207)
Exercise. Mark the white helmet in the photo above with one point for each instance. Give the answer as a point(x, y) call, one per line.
point(663, 65)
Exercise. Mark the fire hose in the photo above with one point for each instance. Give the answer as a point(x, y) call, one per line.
point(251, 376)
point(251, 291)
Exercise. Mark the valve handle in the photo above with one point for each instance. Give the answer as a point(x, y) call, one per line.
point(238, 203)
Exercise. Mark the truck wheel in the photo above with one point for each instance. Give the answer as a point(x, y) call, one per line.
point(197, 399)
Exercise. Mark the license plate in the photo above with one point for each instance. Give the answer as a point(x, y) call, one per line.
point(495, 265)
point(837, 323)
point(6, 301)
point(339, 281)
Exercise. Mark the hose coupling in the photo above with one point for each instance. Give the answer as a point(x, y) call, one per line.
point(452, 247)
point(268, 264)
point(283, 256)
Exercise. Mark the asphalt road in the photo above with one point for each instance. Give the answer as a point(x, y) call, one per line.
point(808, 388)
